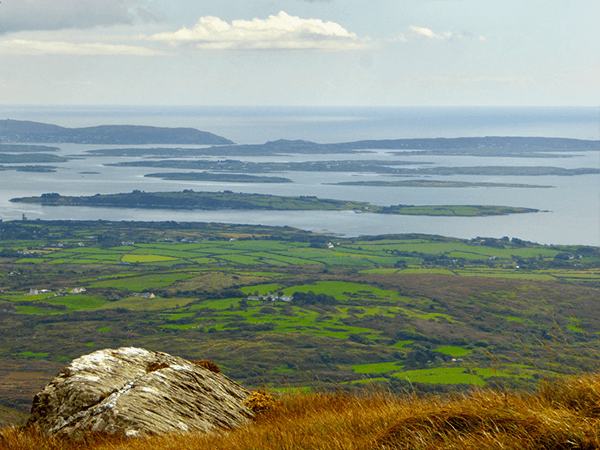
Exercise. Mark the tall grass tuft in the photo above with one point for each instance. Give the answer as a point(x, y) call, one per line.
point(562, 414)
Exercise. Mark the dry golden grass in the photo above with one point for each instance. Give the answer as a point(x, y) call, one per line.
point(561, 415)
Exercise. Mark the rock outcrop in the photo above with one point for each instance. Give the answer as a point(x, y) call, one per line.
point(135, 392)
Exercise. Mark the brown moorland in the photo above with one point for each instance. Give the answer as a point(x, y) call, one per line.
point(561, 414)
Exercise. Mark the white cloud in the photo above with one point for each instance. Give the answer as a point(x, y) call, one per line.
point(20, 15)
point(447, 35)
point(426, 32)
point(28, 47)
point(280, 32)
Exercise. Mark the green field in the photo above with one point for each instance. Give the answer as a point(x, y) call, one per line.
point(408, 311)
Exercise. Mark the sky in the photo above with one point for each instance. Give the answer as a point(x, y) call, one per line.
point(300, 52)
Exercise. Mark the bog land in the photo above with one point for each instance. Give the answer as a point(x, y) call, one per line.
point(284, 308)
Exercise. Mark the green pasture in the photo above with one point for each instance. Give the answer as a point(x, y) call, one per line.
point(147, 304)
point(144, 282)
point(134, 259)
point(266, 245)
point(220, 304)
point(424, 270)
point(262, 289)
point(78, 302)
point(457, 352)
point(282, 370)
point(344, 291)
point(173, 246)
point(222, 249)
point(455, 249)
point(331, 257)
point(291, 260)
point(369, 311)
point(103, 257)
point(29, 354)
point(425, 316)
point(73, 302)
point(382, 271)
point(176, 316)
point(30, 261)
point(464, 255)
point(27, 297)
point(441, 375)
point(34, 310)
point(465, 375)
point(90, 251)
point(341, 259)
point(242, 259)
point(174, 254)
point(205, 261)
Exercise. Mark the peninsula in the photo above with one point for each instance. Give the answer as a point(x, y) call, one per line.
point(191, 200)
point(16, 131)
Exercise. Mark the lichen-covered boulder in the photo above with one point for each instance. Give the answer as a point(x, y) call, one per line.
point(136, 392)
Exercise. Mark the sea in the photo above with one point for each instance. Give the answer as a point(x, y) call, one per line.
point(569, 211)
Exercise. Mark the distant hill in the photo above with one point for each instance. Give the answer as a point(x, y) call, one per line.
point(26, 131)
point(490, 142)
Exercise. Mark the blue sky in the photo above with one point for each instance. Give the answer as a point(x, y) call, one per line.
point(300, 52)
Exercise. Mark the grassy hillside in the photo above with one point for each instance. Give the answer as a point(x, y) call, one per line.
point(559, 415)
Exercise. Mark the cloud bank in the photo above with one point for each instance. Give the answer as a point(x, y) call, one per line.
point(280, 32)
point(31, 15)
point(27, 47)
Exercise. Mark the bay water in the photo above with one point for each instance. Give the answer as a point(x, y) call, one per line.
point(570, 210)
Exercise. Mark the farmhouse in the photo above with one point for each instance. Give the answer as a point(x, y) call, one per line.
point(270, 298)
point(33, 291)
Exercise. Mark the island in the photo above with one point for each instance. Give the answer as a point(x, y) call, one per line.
point(15, 131)
point(16, 148)
point(362, 166)
point(36, 168)
point(493, 146)
point(435, 183)
point(188, 199)
point(30, 158)
point(217, 177)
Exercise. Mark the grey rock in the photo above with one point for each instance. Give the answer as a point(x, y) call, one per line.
point(135, 392)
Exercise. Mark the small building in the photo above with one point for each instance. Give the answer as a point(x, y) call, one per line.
point(33, 291)
point(269, 298)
